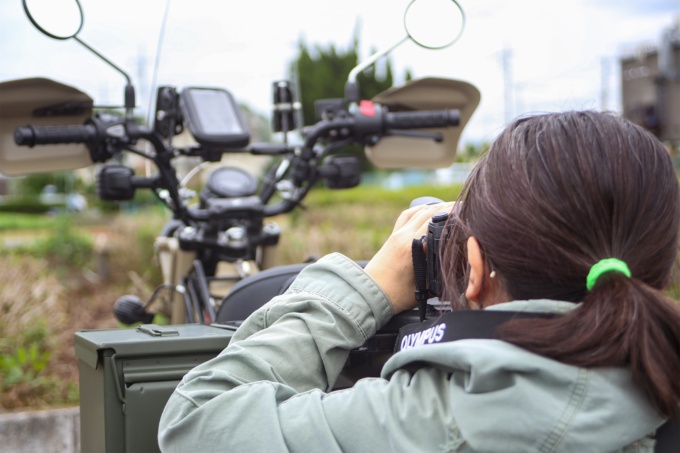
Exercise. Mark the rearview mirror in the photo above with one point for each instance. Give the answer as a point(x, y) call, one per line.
point(58, 19)
point(434, 24)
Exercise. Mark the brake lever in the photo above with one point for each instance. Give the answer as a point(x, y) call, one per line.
point(415, 134)
point(269, 149)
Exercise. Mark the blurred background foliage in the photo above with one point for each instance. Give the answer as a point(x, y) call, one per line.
point(51, 284)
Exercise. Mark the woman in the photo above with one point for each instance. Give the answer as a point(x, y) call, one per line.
point(575, 214)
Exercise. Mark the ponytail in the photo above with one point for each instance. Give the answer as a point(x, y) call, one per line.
point(622, 322)
point(557, 193)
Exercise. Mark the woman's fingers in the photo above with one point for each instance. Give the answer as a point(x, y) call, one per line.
point(418, 217)
point(392, 266)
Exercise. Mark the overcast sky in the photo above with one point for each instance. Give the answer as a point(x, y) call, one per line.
point(560, 54)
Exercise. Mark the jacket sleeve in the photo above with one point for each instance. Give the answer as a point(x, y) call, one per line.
point(265, 391)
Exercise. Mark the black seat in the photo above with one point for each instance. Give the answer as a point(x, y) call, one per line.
point(253, 292)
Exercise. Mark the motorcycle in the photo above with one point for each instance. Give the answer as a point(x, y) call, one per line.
point(208, 247)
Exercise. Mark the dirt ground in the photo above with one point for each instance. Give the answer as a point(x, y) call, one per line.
point(43, 303)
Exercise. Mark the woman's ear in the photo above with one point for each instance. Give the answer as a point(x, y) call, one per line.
point(479, 283)
point(476, 263)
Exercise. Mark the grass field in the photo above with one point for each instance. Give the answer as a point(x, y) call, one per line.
point(10, 221)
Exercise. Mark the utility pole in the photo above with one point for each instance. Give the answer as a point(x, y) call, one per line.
point(604, 84)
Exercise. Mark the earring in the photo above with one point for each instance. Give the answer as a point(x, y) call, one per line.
point(492, 274)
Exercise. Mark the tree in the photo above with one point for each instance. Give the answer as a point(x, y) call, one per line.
point(322, 73)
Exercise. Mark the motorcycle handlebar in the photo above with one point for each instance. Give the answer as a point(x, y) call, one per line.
point(54, 135)
point(371, 119)
point(422, 119)
point(375, 120)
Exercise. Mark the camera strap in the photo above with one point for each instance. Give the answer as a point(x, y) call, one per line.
point(420, 275)
point(459, 325)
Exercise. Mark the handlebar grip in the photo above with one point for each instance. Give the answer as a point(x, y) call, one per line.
point(422, 119)
point(54, 135)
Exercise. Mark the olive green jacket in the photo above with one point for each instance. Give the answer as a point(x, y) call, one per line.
point(267, 390)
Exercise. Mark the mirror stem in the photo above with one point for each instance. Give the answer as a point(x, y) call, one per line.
point(352, 87)
point(129, 88)
point(371, 60)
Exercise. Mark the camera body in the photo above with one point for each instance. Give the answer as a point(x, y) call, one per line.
point(435, 228)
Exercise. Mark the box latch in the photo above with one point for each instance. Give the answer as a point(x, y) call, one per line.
point(158, 331)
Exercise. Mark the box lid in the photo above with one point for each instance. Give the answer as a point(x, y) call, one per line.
point(151, 339)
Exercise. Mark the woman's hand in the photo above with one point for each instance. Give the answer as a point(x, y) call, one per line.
point(392, 266)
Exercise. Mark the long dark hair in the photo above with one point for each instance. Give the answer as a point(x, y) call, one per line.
point(557, 193)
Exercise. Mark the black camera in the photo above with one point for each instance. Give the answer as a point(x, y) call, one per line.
point(427, 268)
point(434, 237)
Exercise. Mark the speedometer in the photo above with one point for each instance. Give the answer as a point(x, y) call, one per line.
point(231, 182)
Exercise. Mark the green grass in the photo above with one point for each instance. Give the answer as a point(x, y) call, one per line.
point(354, 222)
point(10, 221)
point(370, 195)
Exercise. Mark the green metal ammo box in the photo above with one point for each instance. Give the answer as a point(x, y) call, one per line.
point(127, 376)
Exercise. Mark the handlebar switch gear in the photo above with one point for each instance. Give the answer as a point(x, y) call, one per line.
point(114, 183)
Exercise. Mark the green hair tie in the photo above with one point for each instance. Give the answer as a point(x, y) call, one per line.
point(604, 266)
